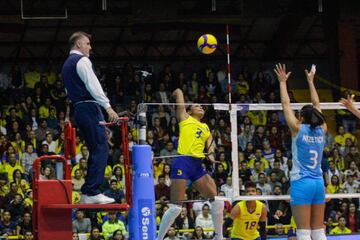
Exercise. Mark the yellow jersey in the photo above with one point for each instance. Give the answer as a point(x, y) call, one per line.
point(192, 137)
point(337, 230)
point(245, 225)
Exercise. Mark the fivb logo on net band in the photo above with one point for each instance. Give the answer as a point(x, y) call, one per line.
point(145, 221)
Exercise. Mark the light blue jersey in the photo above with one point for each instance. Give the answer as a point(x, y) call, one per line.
point(307, 151)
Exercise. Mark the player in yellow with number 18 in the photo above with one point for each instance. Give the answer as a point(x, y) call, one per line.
point(249, 217)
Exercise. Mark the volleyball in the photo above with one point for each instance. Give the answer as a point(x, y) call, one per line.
point(207, 43)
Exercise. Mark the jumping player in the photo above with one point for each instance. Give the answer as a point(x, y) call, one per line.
point(193, 137)
point(247, 216)
point(307, 193)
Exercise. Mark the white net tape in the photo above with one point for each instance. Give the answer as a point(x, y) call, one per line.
point(285, 197)
point(256, 106)
point(277, 106)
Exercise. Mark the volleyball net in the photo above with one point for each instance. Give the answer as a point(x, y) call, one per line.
point(238, 153)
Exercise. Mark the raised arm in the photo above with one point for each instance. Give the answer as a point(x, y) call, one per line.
point(282, 76)
point(349, 104)
point(180, 108)
point(313, 93)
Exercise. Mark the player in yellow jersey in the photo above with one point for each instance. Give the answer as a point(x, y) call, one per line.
point(248, 216)
point(194, 137)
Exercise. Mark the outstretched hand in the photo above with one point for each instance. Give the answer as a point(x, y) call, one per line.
point(348, 102)
point(310, 74)
point(280, 70)
point(176, 92)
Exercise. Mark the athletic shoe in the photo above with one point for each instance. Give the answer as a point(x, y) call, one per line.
point(97, 199)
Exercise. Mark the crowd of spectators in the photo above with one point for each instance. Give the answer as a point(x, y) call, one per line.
point(32, 122)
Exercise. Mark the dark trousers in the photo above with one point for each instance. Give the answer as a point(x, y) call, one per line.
point(87, 116)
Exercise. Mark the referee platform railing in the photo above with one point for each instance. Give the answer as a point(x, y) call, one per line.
point(52, 199)
point(52, 203)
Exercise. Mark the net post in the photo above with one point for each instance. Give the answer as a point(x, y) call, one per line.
point(234, 151)
point(142, 224)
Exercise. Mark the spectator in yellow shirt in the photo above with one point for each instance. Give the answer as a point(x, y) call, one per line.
point(341, 228)
point(334, 186)
point(257, 117)
point(50, 74)
point(259, 158)
point(82, 165)
point(31, 77)
point(79, 144)
point(112, 224)
point(242, 84)
point(11, 166)
point(18, 144)
point(118, 176)
point(28, 202)
point(44, 110)
point(341, 137)
point(20, 180)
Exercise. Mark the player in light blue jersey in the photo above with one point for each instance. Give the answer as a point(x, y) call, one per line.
point(307, 191)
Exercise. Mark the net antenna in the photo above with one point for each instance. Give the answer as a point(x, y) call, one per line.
point(27, 17)
point(233, 121)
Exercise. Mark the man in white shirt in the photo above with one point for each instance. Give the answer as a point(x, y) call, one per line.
point(197, 206)
point(86, 94)
point(204, 220)
point(227, 187)
point(350, 186)
point(265, 187)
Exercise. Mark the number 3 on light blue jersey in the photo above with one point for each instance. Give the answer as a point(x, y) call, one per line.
point(313, 158)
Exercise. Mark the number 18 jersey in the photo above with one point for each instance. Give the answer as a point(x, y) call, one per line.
point(307, 151)
point(245, 226)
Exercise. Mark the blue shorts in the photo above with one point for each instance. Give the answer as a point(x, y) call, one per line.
point(307, 191)
point(186, 167)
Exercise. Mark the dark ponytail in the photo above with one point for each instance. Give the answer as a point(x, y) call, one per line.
point(312, 116)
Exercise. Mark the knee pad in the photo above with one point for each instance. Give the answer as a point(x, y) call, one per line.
point(303, 234)
point(318, 234)
point(217, 206)
point(174, 209)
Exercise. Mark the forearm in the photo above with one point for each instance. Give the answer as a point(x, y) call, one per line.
point(355, 111)
point(314, 95)
point(285, 99)
point(262, 230)
point(180, 101)
point(211, 145)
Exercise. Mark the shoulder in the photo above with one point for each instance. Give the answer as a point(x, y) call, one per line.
point(240, 204)
point(205, 126)
point(186, 120)
point(84, 62)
